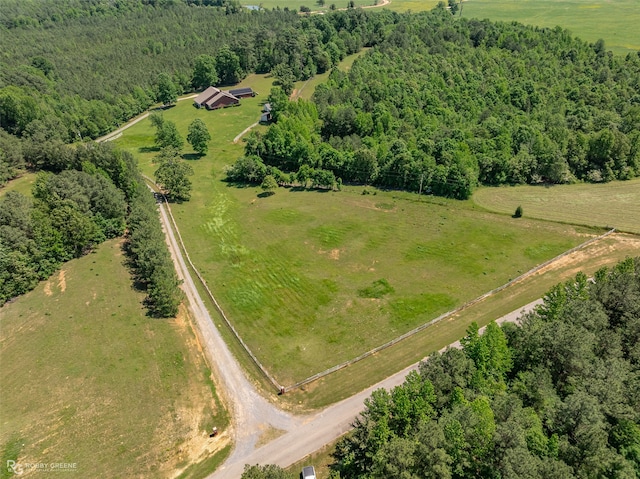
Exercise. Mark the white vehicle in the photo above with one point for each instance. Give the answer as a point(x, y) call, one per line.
point(308, 472)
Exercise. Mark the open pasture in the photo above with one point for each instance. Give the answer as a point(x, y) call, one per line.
point(88, 379)
point(610, 205)
point(312, 278)
point(614, 21)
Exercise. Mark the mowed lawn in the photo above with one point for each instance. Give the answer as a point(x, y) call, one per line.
point(610, 205)
point(88, 378)
point(298, 272)
point(615, 21)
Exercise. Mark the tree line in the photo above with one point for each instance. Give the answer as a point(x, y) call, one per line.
point(83, 195)
point(442, 105)
point(555, 397)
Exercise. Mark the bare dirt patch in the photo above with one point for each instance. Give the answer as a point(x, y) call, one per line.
point(193, 418)
point(333, 254)
point(596, 254)
point(62, 282)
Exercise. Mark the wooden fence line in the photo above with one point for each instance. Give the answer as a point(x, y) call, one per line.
point(442, 316)
point(264, 371)
point(281, 389)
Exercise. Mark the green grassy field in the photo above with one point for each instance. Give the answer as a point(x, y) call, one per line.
point(615, 21)
point(21, 184)
point(87, 378)
point(615, 204)
point(355, 378)
point(293, 270)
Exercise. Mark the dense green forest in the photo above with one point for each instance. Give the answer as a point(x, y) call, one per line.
point(443, 104)
point(82, 75)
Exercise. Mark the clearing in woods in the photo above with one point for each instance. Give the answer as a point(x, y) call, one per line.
point(312, 278)
point(87, 378)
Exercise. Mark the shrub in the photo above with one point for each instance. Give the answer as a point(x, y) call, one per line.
point(518, 213)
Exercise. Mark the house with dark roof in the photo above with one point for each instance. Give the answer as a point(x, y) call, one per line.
point(222, 99)
point(243, 92)
point(205, 96)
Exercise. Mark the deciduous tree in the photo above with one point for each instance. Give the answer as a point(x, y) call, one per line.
point(269, 185)
point(228, 66)
point(173, 175)
point(166, 90)
point(205, 72)
point(199, 136)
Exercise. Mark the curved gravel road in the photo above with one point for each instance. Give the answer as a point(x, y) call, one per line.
point(250, 411)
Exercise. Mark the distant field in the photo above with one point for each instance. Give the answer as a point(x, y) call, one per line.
point(615, 204)
point(299, 272)
point(87, 378)
point(615, 21)
point(312, 4)
point(22, 185)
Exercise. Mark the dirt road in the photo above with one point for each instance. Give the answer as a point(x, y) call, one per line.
point(251, 412)
point(325, 426)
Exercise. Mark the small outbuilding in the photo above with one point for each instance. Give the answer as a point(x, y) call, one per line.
point(266, 108)
point(223, 99)
point(205, 96)
point(243, 92)
point(265, 118)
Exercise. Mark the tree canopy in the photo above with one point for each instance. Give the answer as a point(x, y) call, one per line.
point(441, 105)
point(172, 175)
point(199, 136)
point(93, 64)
